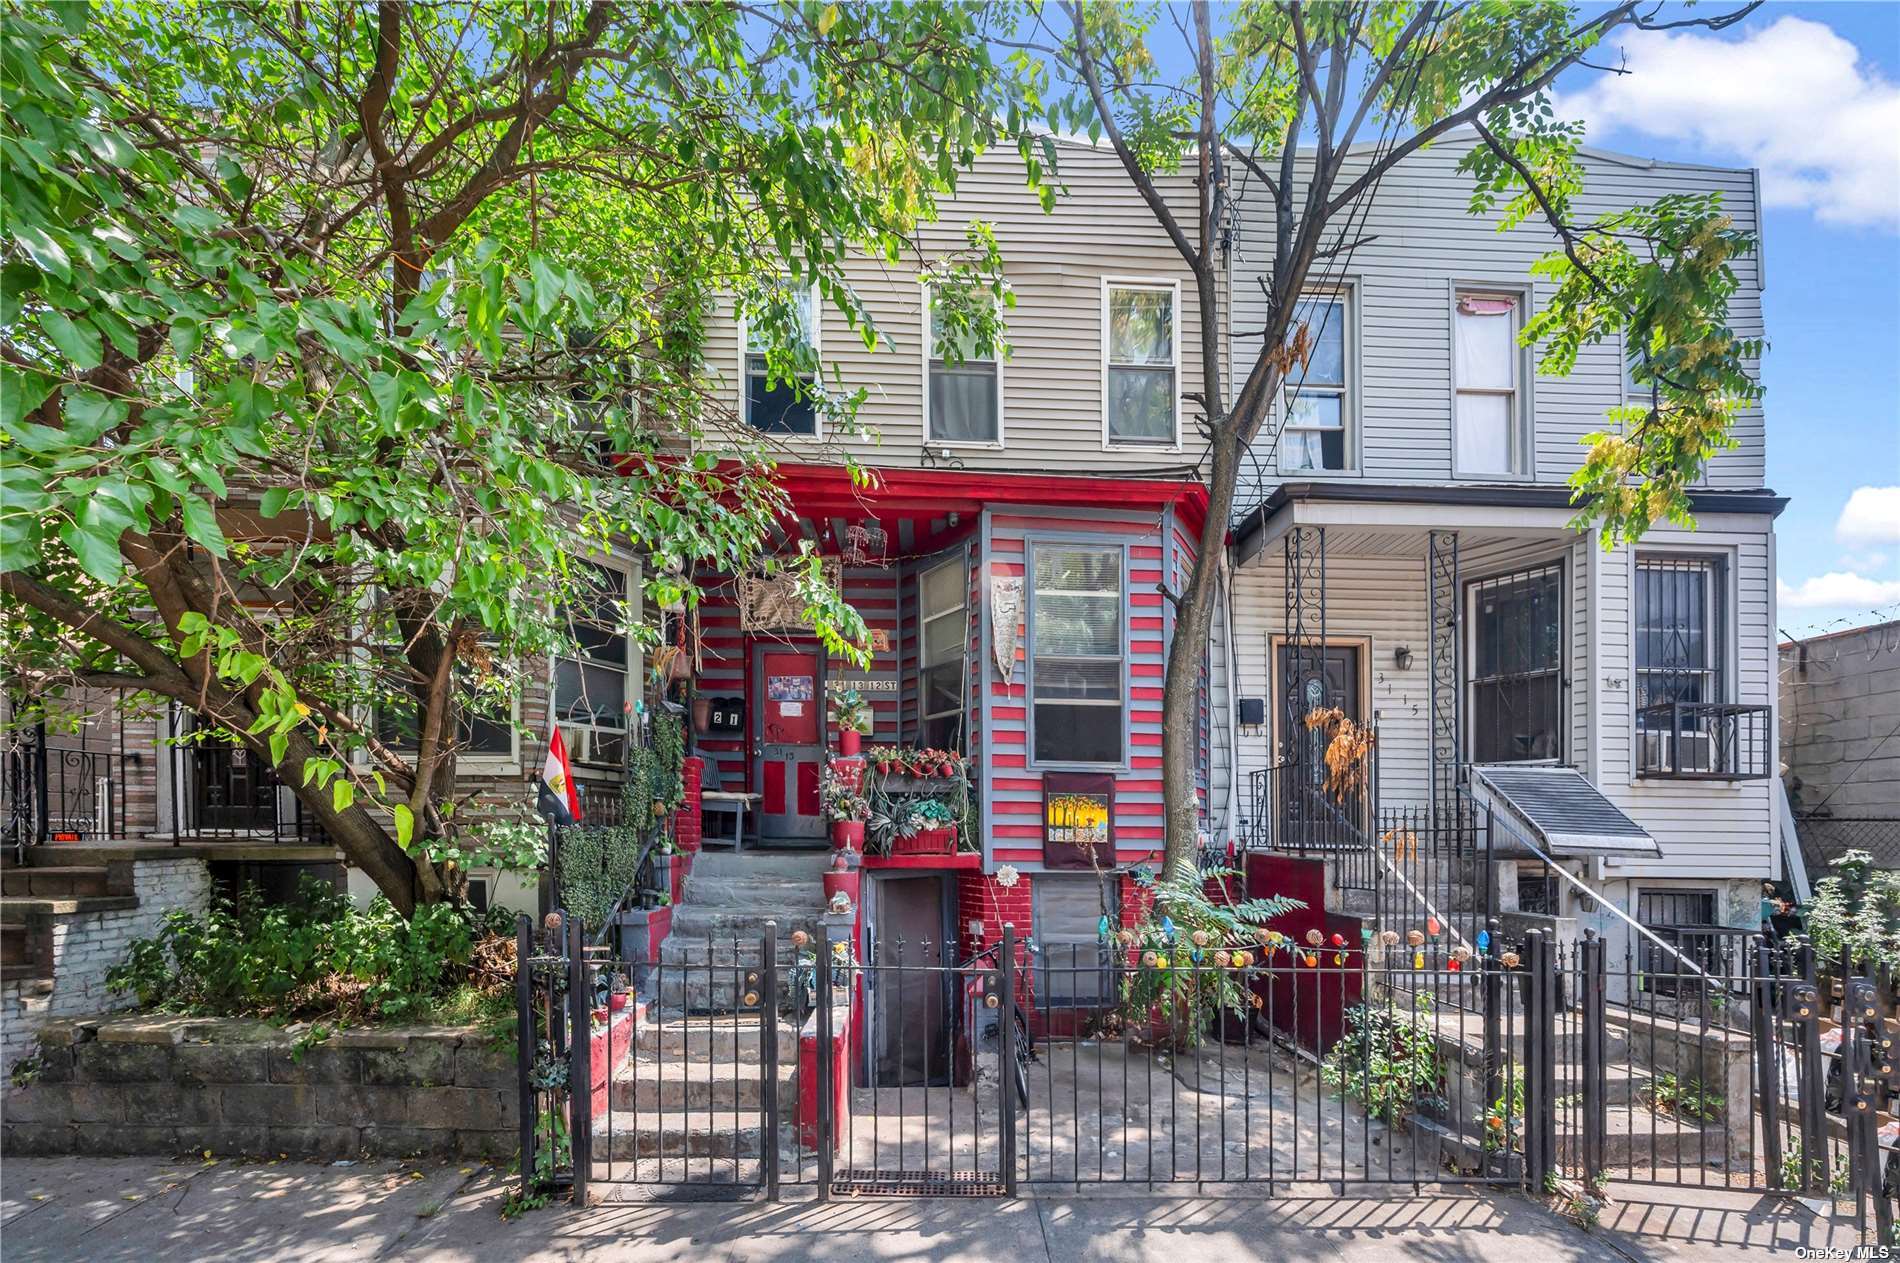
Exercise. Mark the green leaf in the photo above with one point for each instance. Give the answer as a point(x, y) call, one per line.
point(202, 525)
point(43, 250)
point(272, 502)
point(405, 825)
point(77, 340)
point(342, 793)
point(279, 743)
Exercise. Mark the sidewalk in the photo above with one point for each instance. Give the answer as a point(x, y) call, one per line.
point(132, 1208)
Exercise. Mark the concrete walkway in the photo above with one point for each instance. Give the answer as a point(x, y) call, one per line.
point(133, 1208)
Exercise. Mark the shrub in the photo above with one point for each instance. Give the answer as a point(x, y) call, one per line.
point(316, 956)
point(598, 864)
point(1387, 1061)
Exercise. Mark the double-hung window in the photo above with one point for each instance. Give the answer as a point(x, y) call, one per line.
point(593, 687)
point(1486, 367)
point(1076, 665)
point(1141, 373)
point(775, 404)
point(942, 604)
point(1517, 648)
point(484, 724)
point(965, 388)
point(1317, 407)
point(1679, 604)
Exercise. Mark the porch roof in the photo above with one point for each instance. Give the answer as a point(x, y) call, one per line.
point(1563, 810)
point(821, 491)
point(1417, 507)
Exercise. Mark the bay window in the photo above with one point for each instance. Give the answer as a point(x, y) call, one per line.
point(1141, 366)
point(965, 384)
point(1516, 657)
point(942, 605)
point(1076, 663)
point(1487, 407)
point(1314, 435)
point(594, 686)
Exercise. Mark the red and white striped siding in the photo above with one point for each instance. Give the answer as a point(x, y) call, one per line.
point(1014, 790)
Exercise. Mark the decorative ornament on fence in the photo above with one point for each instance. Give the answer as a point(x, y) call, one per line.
point(1006, 605)
point(774, 603)
point(864, 545)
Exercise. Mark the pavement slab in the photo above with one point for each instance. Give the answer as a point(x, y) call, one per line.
point(145, 1209)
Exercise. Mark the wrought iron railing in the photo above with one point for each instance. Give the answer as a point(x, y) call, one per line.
point(1705, 740)
point(53, 792)
point(221, 791)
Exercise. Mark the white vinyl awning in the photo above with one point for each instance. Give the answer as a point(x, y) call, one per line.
point(1559, 807)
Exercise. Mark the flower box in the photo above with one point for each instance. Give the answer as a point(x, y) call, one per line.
point(927, 842)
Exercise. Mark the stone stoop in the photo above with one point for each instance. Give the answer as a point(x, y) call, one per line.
point(65, 924)
point(709, 961)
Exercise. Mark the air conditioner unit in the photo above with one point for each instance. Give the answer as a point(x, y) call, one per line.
point(1666, 751)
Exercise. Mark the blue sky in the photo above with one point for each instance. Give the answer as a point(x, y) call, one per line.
point(1808, 94)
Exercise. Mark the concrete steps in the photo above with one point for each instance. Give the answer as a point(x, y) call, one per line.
point(729, 1037)
point(54, 881)
point(652, 1086)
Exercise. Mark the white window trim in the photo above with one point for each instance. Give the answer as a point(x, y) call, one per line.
point(636, 664)
point(480, 761)
point(924, 619)
point(1172, 287)
point(1345, 292)
point(1566, 618)
point(745, 386)
point(1728, 678)
point(1523, 460)
point(926, 348)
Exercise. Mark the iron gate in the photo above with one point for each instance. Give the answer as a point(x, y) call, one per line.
point(739, 1067)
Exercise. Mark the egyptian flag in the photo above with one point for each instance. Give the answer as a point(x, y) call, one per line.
point(556, 798)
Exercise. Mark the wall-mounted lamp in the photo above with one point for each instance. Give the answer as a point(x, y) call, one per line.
point(1402, 658)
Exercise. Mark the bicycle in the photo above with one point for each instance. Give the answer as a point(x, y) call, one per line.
point(1025, 1043)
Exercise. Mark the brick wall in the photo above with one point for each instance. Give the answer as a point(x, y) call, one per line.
point(85, 945)
point(174, 1084)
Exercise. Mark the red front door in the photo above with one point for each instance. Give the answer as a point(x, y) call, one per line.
point(788, 691)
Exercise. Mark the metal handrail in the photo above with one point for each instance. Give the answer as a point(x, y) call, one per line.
point(1594, 896)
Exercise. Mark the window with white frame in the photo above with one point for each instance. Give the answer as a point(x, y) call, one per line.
point(1074, 967)
point(1143, 364)
point(1316, 435)
point(775, 404)
point(1486, 370)
point(1076, 665)
point(485, 711)
point(1679, 634)
point(965, 388)
point(594, 687)
point(942, 602)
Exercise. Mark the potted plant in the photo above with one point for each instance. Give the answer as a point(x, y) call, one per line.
point(847, 810)
point(926, 827)
point(852, 715)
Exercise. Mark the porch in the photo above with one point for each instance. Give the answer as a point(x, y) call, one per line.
point(1484, 632)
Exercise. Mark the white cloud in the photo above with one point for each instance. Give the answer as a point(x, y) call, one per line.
point(1838, 589)
point(1790, 97)
point(1870, 516)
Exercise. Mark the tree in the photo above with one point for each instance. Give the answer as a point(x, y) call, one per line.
point(331, 333)
point(1315, 104)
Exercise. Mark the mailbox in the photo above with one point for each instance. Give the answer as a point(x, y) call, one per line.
point(727, 718)
point(1800, 1002)
point(1861, 1002)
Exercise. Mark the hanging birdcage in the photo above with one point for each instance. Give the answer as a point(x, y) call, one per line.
point(864, 545)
